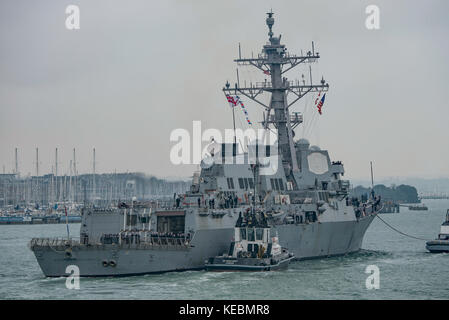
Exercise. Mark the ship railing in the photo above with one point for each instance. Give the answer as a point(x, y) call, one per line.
point(158, 242)
point(168, 241)
point(367, 208)
point(54, 242)
point(147, 239)
point(269, 85)
point(166, 204)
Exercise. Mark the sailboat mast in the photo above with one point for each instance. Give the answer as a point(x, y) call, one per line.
point(372, 179)
point(93, 176)
point(75, 176)
point(56, 175)
point(16, 160)
point(37, 162)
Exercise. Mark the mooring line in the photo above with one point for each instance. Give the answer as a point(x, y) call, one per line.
point(400, 232)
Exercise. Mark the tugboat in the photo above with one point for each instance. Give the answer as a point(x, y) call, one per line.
point(254, 248)
point(442, 243)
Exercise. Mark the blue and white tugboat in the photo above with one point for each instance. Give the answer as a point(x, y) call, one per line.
point(254, 248)
point(442, 243)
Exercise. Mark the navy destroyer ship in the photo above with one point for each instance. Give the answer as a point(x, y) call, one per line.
point(304, 197)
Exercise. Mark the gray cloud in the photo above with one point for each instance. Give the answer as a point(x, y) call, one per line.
point(136, 70)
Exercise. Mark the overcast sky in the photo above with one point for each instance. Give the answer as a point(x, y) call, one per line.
point(136, 70)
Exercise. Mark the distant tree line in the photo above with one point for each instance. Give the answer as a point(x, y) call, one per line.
point(400, 194)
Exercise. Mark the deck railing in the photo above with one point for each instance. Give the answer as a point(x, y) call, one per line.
point(54, 242)
point(134, 241)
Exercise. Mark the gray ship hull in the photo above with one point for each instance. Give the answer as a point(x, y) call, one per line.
point(438, 246)
point(134, 259)
point(316, 240)
point(305, 241)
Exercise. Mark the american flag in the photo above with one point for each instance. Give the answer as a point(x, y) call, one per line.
point(320, 104)
point(233, 101)
point(318, 97)
point(267, 72)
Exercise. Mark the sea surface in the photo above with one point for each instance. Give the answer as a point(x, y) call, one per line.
point(406, 269)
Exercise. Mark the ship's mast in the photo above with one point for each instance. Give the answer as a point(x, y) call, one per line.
point(275, 61)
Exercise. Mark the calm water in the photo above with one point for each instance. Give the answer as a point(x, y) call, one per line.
point(407, 271)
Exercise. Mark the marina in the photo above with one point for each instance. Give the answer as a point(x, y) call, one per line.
point(39, 219)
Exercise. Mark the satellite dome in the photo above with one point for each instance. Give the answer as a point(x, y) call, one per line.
point(315, 148)
point(303, 144)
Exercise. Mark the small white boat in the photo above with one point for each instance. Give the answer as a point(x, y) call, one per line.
point(441, 244)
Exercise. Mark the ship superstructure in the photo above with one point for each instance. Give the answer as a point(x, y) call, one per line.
point(303, 196)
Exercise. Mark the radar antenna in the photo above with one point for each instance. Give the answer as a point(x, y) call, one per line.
point(275, 61)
